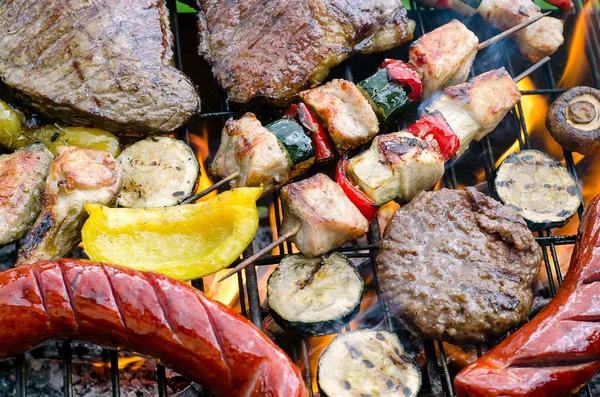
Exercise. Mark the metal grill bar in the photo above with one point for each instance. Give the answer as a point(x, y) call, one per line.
point(440, 381)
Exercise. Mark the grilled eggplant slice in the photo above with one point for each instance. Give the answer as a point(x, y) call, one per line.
point(539, 188)
point(314, 296)
point(367, 363)
point(157, 172)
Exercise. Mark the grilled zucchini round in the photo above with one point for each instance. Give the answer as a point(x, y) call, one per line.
point(316, 296)
point(388, 99)
point(157, 172)
point(538, 187)
point(367, 363)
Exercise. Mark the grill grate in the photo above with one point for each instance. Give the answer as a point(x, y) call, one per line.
point(436, 369)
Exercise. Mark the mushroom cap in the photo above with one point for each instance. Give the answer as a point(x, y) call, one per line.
point(574, 120)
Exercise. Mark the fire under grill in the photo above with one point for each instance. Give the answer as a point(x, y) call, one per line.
point(576, 63)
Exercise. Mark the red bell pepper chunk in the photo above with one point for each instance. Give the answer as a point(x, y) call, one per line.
point(320, 140)
point(292, 112)
point(435, 125)
point(406, 76)
point(564, 5)
point(365, 205)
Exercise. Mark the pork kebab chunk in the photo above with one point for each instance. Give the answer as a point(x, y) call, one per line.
point(345, 112)
point(397, 166)
point(458, 266)
point(277, 48)
point(76, 177)
point(535, 41)
point(255, 152)
point(326, 218)
point(443, 57)
point(475, 108)
point(22, 176)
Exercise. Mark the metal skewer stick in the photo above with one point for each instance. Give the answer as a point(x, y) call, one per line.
point(531, 69)
point(260, 253)
point(217, 185)
point(510, 31)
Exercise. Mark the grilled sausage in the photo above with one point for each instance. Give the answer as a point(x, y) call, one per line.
point(557, 351)
point(147, 313)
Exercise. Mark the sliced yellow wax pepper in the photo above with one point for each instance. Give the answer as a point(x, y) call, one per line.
point(184, 242)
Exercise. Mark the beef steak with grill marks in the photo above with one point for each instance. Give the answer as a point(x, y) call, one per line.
point(106, 63)
point(458, 266)
point(276, 48)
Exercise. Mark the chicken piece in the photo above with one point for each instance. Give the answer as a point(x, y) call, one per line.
point(474, 109)
point(22, 176)
point(76, 177)
point(326, 217)
point(535, 41)
point(345, 113)
point(255, 152)
point(444, 56)
point(397, 165)
point(277, 48)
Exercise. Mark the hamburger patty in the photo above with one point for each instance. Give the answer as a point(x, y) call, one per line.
point(458, 266)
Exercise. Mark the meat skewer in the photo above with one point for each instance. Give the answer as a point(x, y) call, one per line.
point(343, 114)
point(319, 216)
point(534, 42)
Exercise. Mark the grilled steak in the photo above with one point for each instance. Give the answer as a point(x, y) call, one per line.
point(102, 63)
point(458, 266)
point(276, 48)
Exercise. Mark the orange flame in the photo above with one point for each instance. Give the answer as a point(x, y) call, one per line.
point(200, 146)
point(316, 345)
point(577, 61)
point(131, 363)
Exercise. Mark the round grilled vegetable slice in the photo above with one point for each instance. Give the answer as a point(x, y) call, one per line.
point(367, 363)
point(538, 187)
point(184, 242)
point(316, 296)
point(157, 172)
point(574, 120)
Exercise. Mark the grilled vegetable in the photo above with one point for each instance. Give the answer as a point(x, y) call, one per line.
point(318, 135)
point(365, 205)
point(315, 296)
point(435, 126)
point(345, 113)
point(157, 172)
point(388, 97)
point(539, 188)
point(184, 242)
point(15, 135)
point(397, 166)
point(367, 363)
point(574, 120)
point(406, 76)
point(292, 136)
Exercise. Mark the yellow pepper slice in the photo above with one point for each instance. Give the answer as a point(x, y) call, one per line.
point(15, 135)
point(184, 242)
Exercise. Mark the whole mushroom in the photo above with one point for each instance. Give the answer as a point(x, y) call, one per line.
point(574, 120)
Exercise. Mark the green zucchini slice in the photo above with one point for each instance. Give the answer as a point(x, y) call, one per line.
point(388, 98)
point(291, 134)
point(367, 363)
point(316, 296)
point(539, 188)
point(157, 172)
